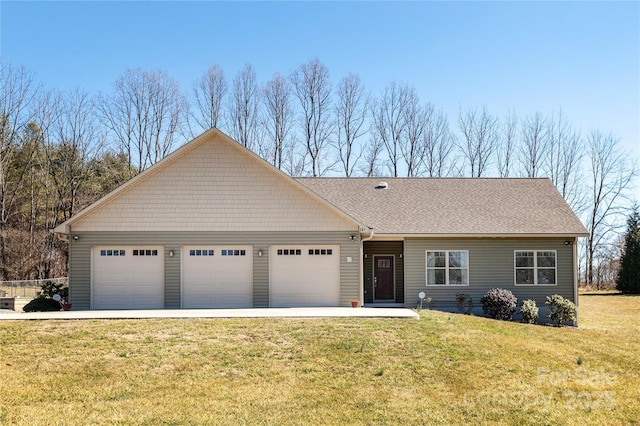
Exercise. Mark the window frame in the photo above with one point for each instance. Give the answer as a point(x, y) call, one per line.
point(446, 268)
point(535, 268)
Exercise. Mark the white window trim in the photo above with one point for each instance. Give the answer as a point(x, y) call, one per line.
point(426, 278)
point(535, 269)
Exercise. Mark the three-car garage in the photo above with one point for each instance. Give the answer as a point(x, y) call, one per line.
point(214, 276)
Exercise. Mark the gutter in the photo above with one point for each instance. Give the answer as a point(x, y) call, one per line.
point(362, 265)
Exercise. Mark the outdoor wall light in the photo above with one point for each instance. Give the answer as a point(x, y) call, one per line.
point(171, 253)
point(260, 253)
point(567, 243)
point(76, 237)
point(352, 237)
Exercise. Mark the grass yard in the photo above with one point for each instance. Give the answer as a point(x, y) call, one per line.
point(441, 369)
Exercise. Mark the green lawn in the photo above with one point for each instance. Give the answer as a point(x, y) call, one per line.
point(441, 369)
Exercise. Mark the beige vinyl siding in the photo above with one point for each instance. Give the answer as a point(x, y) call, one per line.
point(172, 278)
point(491, 264)
point(80, 258)
point(374, 248)
point(213, 186)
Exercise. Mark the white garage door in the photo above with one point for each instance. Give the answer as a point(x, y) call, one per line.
point(304, 276)
point(127, 277)
point(217, 277)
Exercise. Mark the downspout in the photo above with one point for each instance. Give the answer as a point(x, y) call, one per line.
point(362, 265)
point(575, 275)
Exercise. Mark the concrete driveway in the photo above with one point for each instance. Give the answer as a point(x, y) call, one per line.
point(216, 313)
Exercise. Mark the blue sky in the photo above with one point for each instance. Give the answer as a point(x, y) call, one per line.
point(583, 57)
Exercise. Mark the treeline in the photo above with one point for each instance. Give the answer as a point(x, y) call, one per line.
point(63, 150)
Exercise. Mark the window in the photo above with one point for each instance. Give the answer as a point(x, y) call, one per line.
point(232, 252)
point(320, 252)
point(448, 267)
point(289, 252)
point(112, 252)
point(535, 267)
point(142, 252)
point(200, 252)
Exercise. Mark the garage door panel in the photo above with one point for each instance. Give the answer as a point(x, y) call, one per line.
point(223, 278)
point(125, 280)
point(304, 276)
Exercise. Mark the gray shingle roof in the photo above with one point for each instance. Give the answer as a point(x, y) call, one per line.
point(451, 206)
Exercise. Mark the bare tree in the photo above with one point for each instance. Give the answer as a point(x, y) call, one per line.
point(479, 139)
point(437, 145)
point(76, 141)
point(244, 108)
point(389, 121)
point(372, 164)
point(411, 146)
point(507, 145)
point(564, 160)
point(17, 94)
point(279, 115)
point(534, 146)
point(209, 93)
point(351, 112)
point(312, 87)
point(294, 159)
point(611, 174)
point(143, 115)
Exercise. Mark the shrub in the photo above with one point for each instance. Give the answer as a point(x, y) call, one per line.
point(42, 304)
point(499, 303)
point(529, 311)
point(561, 310)
point(465, 303)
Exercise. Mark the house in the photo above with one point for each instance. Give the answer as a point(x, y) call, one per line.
point(215, 226)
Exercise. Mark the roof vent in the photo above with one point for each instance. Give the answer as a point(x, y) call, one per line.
point(382, 185)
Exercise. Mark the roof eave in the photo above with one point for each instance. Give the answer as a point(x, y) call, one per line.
point(383, 235)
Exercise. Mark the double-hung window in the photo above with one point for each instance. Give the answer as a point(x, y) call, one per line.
point(535, 267)
point(448, 267)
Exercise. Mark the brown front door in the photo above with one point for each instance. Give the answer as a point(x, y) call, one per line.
point(383, 278)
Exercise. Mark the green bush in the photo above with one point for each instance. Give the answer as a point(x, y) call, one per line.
point(529, 311)
point(42, 304)
point(561, 310)
point(499, 303)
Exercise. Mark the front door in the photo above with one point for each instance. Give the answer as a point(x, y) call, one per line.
point(383, 278)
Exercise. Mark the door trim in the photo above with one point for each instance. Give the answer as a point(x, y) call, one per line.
point(373, 277)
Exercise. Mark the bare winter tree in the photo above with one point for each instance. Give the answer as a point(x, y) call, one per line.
point(76, 140)
point(507, 146)
point(244, 108)
point(312, 87)
point(351, 113)
point(611, 173)
point(437, 145)
point(564, 160)
point(17, 94)
point(372, 165)
point(208, 94)
point(389, 121)
point(479, 139)
point(411, 146)
point(534, 145)
point(143, 114)
point(279, 116)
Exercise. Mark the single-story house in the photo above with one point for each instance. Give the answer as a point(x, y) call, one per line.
point(215, 226)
